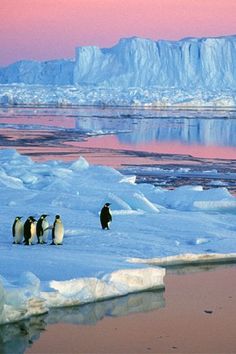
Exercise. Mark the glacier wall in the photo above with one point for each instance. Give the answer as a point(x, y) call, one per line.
point(204, 63)
point(188, 63)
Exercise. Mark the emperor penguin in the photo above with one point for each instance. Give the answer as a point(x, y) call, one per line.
point(30, 231)
point(18, 230)
point(105, 216)
point(42, 229)
point(57, 231)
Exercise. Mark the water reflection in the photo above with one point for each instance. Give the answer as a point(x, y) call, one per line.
point(16, 338)
point(184, 130)
point(131, 126)
point(199, 142)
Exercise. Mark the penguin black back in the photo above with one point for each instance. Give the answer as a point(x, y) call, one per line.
point(39, 227)
point(17, 218)
point(17, 230)
point(27, 229)
point(105, 216)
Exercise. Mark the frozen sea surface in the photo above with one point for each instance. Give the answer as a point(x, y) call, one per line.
point(93, 264)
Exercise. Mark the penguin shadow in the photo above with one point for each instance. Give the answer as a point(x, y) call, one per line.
point(34, 231)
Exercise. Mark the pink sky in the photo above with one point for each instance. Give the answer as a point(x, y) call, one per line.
point(49, 29)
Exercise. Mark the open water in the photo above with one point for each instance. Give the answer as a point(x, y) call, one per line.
point(167, 148)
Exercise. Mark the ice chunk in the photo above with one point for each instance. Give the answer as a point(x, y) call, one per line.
point(81, 164)
point(143, 203)
point(21, 300)
point(79, 291)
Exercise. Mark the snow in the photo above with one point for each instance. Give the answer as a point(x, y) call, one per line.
point(151, 229)
point(86, 290)
point(191, 72)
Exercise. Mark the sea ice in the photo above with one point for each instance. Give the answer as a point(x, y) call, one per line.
point(150, 226)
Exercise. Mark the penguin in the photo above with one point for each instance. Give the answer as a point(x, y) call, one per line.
point(42, 229)
point(30, 231)
point(57, 231)
point(18, 230)
point(105, 216)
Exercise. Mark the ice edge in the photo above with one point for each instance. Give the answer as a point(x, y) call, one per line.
point(187, 258)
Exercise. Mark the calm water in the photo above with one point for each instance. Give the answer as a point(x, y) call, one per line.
point(167, 148)
point(152, 321)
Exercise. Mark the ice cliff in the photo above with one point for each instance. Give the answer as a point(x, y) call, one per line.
point(188, 63)
point(204, 63)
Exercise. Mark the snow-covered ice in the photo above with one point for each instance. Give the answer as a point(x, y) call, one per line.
point(151, 228)
point(148, 97)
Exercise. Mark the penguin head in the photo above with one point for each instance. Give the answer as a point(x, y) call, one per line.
point(107, 205)
point(31, 219)
point(18, 218)
point(57, 219)
point(43, 216)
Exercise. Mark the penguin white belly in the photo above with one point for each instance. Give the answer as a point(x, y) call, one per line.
point(45, 224)
point(19, 232)
point(33, 237)
point(58, 233)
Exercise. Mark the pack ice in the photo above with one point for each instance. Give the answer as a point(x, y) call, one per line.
point(151, 229)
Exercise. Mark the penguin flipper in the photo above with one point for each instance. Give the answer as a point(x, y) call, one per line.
point(50, 227)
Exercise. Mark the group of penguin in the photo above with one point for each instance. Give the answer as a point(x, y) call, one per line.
point(33, 231)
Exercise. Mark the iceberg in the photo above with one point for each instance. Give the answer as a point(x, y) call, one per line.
point(138, 62)
point(189, 73)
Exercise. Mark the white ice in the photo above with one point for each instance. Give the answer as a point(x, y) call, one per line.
point(149, 224)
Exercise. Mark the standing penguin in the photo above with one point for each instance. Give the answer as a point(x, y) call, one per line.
point(41, 226)
point(57, 231)
point(18, 230)
point(30, 231)
point(105, 216)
